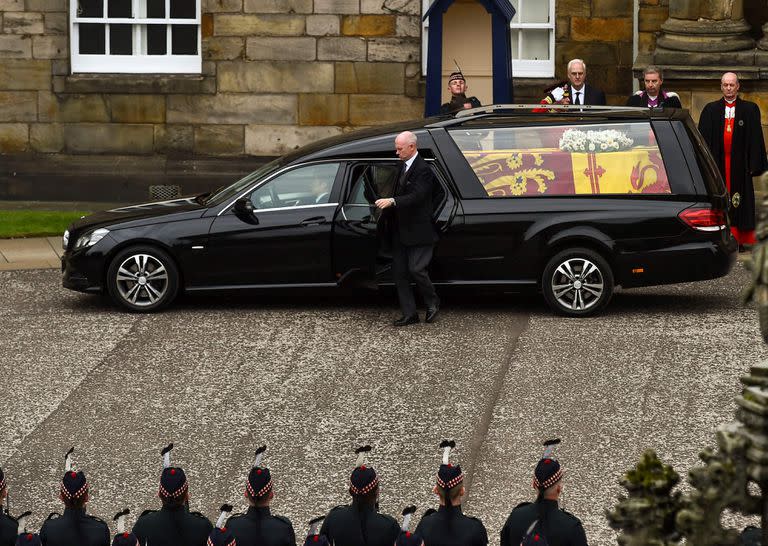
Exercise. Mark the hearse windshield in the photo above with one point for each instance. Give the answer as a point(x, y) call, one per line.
point(223, 194)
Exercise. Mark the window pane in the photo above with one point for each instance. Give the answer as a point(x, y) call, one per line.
point(372, 182)
point(119, 8)
point(515, 34)
point(183, 9)
point(608, 158)
point(535, 45)
point(121, 39)
point(184, 40)
point(156, 40)
point(535, 11)
point(156, 9)
point(303, 186)
point(90, 8)
point(92, 39)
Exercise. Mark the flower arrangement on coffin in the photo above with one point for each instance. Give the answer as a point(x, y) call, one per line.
point(606, 140)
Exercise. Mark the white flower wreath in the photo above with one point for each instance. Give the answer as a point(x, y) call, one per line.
point(606, 140)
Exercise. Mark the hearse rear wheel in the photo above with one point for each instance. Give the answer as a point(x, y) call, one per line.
point(577, 282)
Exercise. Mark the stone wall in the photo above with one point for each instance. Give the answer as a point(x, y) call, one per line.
point(276, 74)
point(600, 32)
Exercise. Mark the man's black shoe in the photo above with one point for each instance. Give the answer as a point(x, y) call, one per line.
point(431, 315)
point(405, 321)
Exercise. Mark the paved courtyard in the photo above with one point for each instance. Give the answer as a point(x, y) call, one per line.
point(314, 375)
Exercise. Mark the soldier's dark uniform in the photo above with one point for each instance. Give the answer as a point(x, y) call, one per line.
point(258, 526)
point(314, 538)
point(74, 526)
point(9, 527)
point(222, 536)
point(448, 526)
point(173, 524)
point(558, 527)
point(360, 524)
point(457, 102)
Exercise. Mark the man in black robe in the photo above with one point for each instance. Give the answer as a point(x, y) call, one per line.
point(731, 128)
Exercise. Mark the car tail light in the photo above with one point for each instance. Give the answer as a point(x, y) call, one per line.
point(704, 219)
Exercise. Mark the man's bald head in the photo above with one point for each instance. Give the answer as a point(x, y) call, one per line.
point(729, 85)
point(405, 145)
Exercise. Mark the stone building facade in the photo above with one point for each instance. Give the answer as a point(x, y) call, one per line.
point(276, 74)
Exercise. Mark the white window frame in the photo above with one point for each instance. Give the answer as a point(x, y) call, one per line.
point(521, 68)
point(530, 68)
point(137, 63)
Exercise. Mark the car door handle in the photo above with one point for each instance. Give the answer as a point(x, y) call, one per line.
point(314, 221)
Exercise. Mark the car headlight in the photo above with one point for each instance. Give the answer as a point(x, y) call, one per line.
point(65, 240)
point(91, 238)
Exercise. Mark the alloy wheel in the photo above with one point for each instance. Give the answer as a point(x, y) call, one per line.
point(142, 280)
point(577, 284)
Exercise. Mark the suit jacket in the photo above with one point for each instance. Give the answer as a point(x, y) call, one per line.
point(258, 527)
point(562, 90)
point(74, 527)
point(412, 213)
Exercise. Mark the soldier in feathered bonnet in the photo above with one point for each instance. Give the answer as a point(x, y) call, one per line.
point(173, 524)
point(74, 526)
point(448, 526)
point(360, 523)
point(258, 525)
point(457, 86)
point(406, 537)
point(221, 535)
point(123, 538)
point(314, 538)
point(25, 538)
point(543, 522)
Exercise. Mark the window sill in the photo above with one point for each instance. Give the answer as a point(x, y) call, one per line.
point(192, 84)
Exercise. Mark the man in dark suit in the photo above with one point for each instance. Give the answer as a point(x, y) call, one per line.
point(575, 90)
point(412, 231)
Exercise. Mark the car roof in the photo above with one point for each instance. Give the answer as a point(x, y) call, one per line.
point(353, 142)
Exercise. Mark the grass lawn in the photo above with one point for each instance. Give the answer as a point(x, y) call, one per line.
point(35, 223)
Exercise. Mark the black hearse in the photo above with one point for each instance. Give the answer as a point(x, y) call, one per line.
point(569, 201)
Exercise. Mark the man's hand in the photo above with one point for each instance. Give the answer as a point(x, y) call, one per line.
point(383, 203)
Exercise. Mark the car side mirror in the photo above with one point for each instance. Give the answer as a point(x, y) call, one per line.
point(245, 211)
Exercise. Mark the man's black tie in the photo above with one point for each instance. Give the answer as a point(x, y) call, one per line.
point(576, 100)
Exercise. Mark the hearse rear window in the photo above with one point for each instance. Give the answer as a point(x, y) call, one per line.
point(600, 159)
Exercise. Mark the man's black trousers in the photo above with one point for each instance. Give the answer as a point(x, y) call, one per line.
point(411, 263)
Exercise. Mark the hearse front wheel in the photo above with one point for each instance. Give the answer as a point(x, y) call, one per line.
point(577, 282)
point(142, 279)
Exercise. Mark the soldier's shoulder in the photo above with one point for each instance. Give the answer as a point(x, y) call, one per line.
point(53, 516)
point(567, 516)
point(388, 519)
point(429, 512)
point(96, 519)
point(338, 509)
point(199, 517)
point(283, 520)
point(147, 513)
point(522, 505)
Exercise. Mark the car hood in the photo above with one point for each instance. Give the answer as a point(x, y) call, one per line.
point(138, 214)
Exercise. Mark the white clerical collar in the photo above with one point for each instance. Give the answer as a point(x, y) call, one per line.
point(409, 162)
